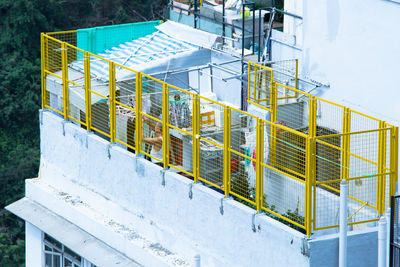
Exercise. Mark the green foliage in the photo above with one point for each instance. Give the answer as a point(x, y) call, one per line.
point(21, 23)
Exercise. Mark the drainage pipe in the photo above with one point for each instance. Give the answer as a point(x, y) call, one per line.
point(196, 261)
point(387, 236)
point(343, 224)
point(382, 232)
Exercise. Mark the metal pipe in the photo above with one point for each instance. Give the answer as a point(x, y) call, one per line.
point(259, 35)
point(254, 25)
point(223, 22)
point(343, 224)
point(196, 261)
point(382, 232)
point(194, 14)
point(388, 234)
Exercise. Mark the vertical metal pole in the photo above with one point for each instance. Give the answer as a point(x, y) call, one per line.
point(165, 131)
point(112, 101)
point(64, 66)
point(273, 120)
point(196, 136)
point(393, 204)
point(196, 261)
point(387, 214)
point(312, 116)
point(297, 74)
point(138, 124)
point(343, 224)
point(227, 150)
point(254, 26)
point(346, 143)
point(381, 168)
point(195, 14)
point(259, 166)
point(43, 66)
point(382, 232)
point(223, 22)
point(394, 158)
point(259, 35)
point(88, 96)
point(249, 79)
point(243, 18)
point(310, 178)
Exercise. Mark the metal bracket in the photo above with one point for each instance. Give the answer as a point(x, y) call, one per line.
point(41, 116)
point(63, 126)
point(109, 146)
point(305, 248)
point(190, 191)
point(253, 222)
point(221, 208)
point(163, 171)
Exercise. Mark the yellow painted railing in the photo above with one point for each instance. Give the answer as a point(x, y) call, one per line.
point(290, 167)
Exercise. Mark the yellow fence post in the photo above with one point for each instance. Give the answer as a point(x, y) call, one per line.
point(296, 77)
point(138, 124)
point(312, 116)
point(196, 136)
point(64, 66)
point(112, 100)
point(394, 153)
point(346, 143)
point(259, 166)
point(381, 168)
point(165, 121)
point(88, 96)
point(43, 66)
point(248, 80)
point(310, 179)
point(274, 111)
point(227, 150)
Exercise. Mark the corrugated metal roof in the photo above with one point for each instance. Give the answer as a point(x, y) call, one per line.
point(152, 47)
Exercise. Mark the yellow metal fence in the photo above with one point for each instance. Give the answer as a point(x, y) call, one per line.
point(289, 166)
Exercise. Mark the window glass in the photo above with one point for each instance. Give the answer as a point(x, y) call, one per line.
point(48, 262)
point(52, 241)
point(67, 263)
point(56, 261)
point(72, 254)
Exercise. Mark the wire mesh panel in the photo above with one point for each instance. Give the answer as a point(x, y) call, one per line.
point(100, 101)
point(243, 155)
point(260, 83)
point(152, 118)
point(125, 106)
point(329, 117)
point(395, 232)
point(285, 72)
point(291, 108)
point(76, 87)
point(53, 98)
point(69, 37)
point(180, 105)
point(284, 174)
point(211, 168)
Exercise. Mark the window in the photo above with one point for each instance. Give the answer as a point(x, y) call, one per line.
point(58, 255)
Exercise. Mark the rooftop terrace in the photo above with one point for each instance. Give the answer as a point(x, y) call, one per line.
point(285, 155)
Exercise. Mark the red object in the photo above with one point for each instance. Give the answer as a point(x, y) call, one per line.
point(234, 165)
point(254, 157)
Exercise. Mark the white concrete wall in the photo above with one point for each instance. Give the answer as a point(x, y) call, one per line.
point(184, 225)
point(33, 246)
point(354, 46)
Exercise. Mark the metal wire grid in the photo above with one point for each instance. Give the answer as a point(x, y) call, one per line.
point(125, 104)
point(180, 123)
point(329, 117)
point(285, 72)
point(243, 155)
point(284, 173)
point(53, 77)
point(100, 104)
point(284, 150)
point(260, 85)
point(69, 37)
point(395, 232)
point(291, 108)
point(152, 117)
point(76, 87)
point(212, 122)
